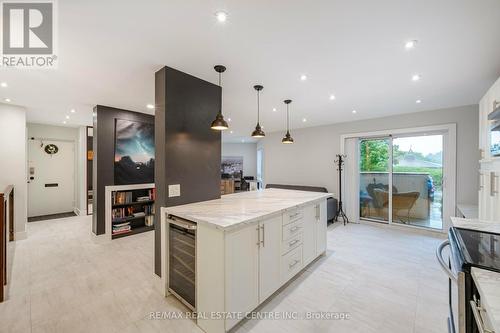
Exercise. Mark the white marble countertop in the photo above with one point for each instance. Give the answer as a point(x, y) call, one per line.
point(245, 207)
point(468, 211)
point(475, 224)
point(488, 284)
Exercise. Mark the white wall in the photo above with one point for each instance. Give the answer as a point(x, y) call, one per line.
point(13, 165)
point(310, 160)
point(75, 134)
point(249, 153)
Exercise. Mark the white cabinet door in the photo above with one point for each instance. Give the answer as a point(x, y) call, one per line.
point(495, 197)
point(309, 234)
point(483, 203)
point(321, 224)
point(269, 257)
point(242, 271)
point(483, 128)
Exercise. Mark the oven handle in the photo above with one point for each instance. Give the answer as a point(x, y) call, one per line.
point(442, 262)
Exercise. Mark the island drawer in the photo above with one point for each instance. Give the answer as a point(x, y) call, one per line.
point(292, 229)
point(291, 243)
point(292, 216)
point(291, 264)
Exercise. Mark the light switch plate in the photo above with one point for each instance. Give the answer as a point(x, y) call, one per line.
point(174, 190)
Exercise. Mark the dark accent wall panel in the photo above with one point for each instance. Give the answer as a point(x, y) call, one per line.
point(188, 151)
point(104, 155)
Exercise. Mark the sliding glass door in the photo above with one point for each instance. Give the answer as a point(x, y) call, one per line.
point(417, 197)
point(374, 178)
point(400, 180)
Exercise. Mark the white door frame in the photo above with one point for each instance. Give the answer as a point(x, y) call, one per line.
point(449, 163)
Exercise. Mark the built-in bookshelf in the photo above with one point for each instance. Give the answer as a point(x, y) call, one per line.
point(132, 211)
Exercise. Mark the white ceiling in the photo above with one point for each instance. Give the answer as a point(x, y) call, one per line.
point(110, 50)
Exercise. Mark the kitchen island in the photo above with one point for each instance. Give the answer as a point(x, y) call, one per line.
point(225, 257)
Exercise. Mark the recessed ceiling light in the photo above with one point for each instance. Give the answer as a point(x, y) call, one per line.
point(67, 117)
point(416, 77)
point(229, 119)
point(221, 16)
point(64, 122)
point(354, 111)
point(3, 84)
point(150, 106)
point(242, 140)
point(231, 132)
point(418, 101)
point(72, 111)
point(7, 100)
point(274, 109)
point(332, 97)
point(411, 44)
point(303, 77)
point(304, 120)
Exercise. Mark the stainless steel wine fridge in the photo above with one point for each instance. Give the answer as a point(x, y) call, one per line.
point(182, 260)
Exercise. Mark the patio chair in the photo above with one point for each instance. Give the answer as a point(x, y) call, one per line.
point(400, 201)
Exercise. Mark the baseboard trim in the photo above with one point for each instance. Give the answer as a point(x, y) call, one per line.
point(20, 235)
point(413, 229)
point(80, 212)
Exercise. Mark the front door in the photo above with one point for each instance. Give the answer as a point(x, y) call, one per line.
point(51, 172)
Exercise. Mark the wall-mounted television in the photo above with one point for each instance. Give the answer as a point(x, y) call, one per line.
point(134, 152)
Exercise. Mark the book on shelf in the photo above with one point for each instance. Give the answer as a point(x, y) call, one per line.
point(152, 194)
point(119, 198)
point(118, 225)
point(121, 232)
point(121, 228)
point(145, 198)
point(139, 214)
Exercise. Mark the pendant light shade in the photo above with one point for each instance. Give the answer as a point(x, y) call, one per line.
point(258, 133)
point(219, 123)
point(288, 138)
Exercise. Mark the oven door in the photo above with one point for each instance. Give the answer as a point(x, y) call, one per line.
point(456, 288)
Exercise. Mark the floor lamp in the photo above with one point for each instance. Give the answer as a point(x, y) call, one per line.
point(340, 212)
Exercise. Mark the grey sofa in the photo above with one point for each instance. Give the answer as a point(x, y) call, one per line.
point(331, 203)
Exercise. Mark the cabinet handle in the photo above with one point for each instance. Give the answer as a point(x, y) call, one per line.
point(294, 229)
point(481, 181)
point(317, 212)
point(263, 235)
point(258, 236)
point(476, 310)
point(295, 262)
point(292, 243)
point(293, 215)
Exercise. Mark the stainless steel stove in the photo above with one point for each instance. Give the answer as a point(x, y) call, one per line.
point(468, 248)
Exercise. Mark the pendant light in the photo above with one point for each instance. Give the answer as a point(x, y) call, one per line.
point(258, 133)
point(219, 123)
point(288, 138)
